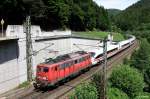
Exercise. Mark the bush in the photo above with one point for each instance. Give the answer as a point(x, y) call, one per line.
point(85, 91)
point(147, 79)
point(141, 58)
point(114, 93)
point(128, 80)
point(96, 81)
point(24, 84)
point(143, 96)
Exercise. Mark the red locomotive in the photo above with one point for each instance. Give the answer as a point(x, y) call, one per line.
point(55, 70)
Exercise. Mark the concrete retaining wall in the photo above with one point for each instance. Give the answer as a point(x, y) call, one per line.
point(9, 68)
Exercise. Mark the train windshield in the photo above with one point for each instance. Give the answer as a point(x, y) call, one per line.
point(45, 69)
point(42, 69)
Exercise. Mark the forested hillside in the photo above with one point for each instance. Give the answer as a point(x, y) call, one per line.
point(134, 17)
point(113, 11)
point(77, 15)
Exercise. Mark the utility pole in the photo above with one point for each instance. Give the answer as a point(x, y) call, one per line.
point(28, 48)
point(104, 72)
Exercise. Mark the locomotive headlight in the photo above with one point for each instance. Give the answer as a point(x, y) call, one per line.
point(44, 78)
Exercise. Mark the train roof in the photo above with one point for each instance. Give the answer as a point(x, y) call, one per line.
point(64, 57)
point(124, 42)
point(100, 50)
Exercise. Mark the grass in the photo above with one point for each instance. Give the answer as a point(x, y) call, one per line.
point(99, 35)
point(24, 84)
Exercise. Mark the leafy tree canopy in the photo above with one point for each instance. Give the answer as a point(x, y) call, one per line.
point(127, 79)
point(85, 91)
point(134, 16)
point(114, 93)
point(141, 58)
point(77, 15)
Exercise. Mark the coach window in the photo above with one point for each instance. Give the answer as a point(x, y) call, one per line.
point(80, 60)
point(62, 66)
point(66, 65)
point(70, 63)
point(83, 58)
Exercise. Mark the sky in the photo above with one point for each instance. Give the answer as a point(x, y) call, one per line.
point(115, 4)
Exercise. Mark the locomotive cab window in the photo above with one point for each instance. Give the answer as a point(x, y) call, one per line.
point(45, 69)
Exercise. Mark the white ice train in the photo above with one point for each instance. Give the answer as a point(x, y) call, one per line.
point(112, 49)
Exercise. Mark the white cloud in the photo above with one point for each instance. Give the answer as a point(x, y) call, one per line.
point(117, 4)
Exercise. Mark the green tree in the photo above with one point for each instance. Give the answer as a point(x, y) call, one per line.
point(134, 16)
point(141, 58)
point(78, 15)
point(96, 81)
point(114, 93)
point(85, 91)
point(127, 79)
point(147, 79)
point(76, 18)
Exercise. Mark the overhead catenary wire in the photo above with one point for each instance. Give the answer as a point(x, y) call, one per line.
point(85, 45)
point(36, 52)
point(83, 49)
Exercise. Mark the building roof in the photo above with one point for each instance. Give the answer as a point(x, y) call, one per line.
point(62, 37)
point(7, 38)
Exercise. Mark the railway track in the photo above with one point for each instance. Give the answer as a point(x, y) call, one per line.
point(62, 91)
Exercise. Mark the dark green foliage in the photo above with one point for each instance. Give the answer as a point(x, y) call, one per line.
point(113, 12)
point(134, 16)
point(127, 79)
point(76, 18)
point(143, 95)
point(147, 79)
point(77, 15)
point(114, 93)
point(126, 61)
point(96, 81)
point(12, 11)
point(141, 58)
point(84, 91)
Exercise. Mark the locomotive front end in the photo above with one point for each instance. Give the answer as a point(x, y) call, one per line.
point(42, 79)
